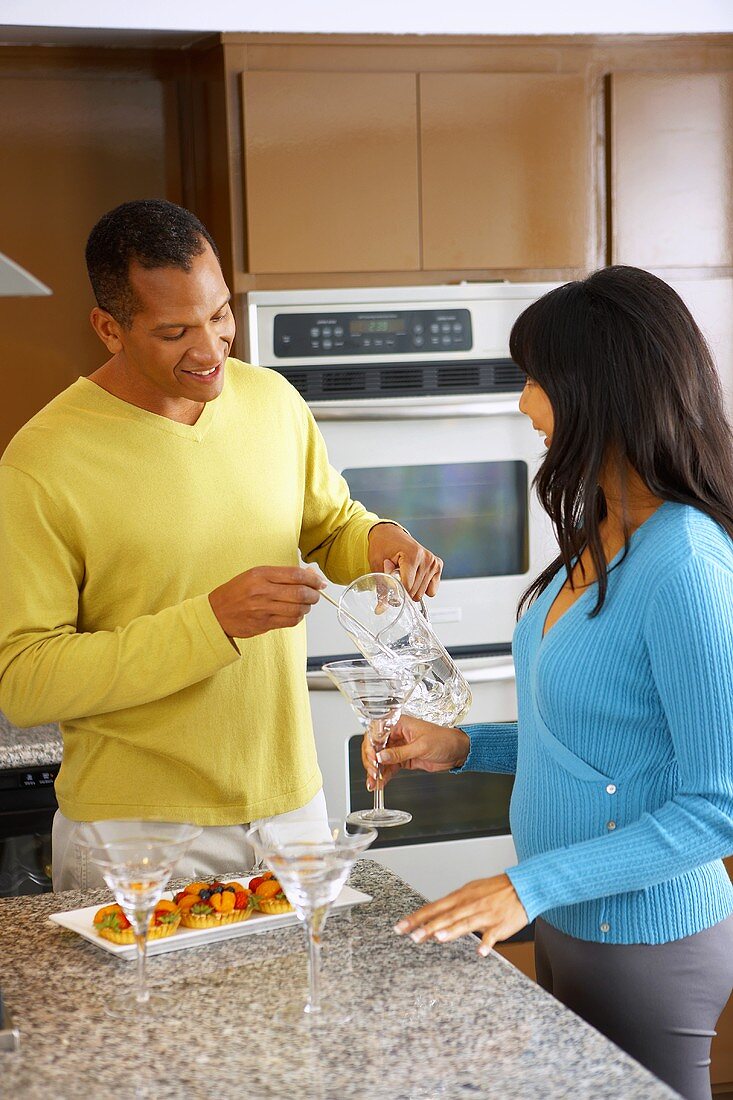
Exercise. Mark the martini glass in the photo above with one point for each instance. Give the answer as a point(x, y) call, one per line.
point(311, 860)
point(377, 697)
point(136, 859)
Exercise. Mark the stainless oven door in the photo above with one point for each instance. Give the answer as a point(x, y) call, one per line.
point(460, 824)
point(457, 473)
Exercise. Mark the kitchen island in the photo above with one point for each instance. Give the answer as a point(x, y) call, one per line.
point(27, 748)
point(428, 1021)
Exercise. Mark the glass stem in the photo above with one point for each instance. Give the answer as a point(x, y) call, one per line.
point(142, 996)
point(379, 737)
point(313, 928)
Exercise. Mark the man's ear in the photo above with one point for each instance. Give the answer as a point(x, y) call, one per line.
point(107, 329)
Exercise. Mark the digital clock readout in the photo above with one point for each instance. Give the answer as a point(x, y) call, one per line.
point(369, 325)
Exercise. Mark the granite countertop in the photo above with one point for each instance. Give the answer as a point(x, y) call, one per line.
point(490, 1033)
point(26, 748)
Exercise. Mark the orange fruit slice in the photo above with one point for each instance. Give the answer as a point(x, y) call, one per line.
point(268, 889)
point(194, 887)
point(187, 901)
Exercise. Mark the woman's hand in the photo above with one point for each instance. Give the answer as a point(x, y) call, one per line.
point(488, 905)
point(414, 744)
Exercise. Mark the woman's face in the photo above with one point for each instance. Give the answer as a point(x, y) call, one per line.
point(535, 404)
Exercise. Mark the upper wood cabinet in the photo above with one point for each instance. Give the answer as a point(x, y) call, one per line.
point(330, 171)
point(507, 170)
point(672, 169)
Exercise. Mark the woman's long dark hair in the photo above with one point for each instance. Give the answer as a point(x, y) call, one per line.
point(631, 380)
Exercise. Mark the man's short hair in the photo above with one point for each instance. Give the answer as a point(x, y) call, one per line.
point(150, 232)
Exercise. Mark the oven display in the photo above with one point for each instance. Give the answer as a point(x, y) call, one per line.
point(394, 326)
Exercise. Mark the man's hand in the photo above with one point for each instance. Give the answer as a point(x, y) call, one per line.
point(391, 548)
point(268, 597)
point(488, 905)
point(414, 743)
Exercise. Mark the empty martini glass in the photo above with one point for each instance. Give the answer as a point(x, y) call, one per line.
point(136, 859)
point(377, 698)
point(311, 860)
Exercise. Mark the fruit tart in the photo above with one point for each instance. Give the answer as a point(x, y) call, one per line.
point(112, 924)
point(268, 895)
point(213, 904)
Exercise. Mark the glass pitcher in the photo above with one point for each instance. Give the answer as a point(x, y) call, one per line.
point(392, 631)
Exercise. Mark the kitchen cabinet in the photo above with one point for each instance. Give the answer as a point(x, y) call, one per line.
point(340, 175)
point(672, 169)
point(507, 170)
point(330, 171)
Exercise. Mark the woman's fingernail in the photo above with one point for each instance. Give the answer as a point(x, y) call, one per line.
point(441, 936)
point(383, 757)
point(400, 927)
point(418, 935)
point(484, 949)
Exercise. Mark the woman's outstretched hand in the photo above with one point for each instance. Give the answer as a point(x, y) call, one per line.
point(414, 744)
point(488, 905)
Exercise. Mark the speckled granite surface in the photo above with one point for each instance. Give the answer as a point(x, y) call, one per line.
point(26, 748)
point(492, 1032)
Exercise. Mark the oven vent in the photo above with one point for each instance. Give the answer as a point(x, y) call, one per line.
point(343, 381)
point(458, 378)
point(507, 375)
point(405, 379)
point(298, 379)
point(373, 380)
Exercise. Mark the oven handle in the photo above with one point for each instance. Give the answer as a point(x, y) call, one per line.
point(490, 671)
point(374, 411)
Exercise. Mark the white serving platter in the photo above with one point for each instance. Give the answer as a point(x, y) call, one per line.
point(81, 922)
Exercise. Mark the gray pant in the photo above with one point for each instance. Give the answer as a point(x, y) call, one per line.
point(658, 1002)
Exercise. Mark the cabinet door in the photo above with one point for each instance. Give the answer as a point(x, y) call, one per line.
point(672, 169)
point(507, 164)
point(331, 171)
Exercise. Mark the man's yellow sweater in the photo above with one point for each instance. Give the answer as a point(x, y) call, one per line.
point(115, 524)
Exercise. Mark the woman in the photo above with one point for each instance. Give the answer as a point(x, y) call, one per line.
point(623, 800)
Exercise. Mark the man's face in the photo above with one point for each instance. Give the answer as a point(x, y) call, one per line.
point(181, 335)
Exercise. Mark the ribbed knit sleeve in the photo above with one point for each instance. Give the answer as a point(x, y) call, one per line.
point(493, 748)
point(688, 631)
point(335, 527)
point(49, 672)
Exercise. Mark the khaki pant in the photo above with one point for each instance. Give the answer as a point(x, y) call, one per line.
point(218, 851)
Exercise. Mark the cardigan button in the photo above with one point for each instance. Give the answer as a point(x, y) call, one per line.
point(605, 927)
point(611, 826)
point(611, 788)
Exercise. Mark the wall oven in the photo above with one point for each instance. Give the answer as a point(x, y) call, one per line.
point(417, 399)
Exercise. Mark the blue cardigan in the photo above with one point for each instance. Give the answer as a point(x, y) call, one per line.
point(623, 752)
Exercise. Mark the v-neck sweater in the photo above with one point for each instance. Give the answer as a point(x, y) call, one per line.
point(115, 524)
point(622, 806)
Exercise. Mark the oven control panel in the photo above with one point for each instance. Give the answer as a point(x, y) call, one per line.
point(384, 332)
point(28, 779)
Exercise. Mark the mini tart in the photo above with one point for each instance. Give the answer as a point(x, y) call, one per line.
point(209, 919)
point(273, 906)
point(221, 903)
point(167, 916)
point(128, 936)
point(158, 932)
point(235, 916)
point(270, 898)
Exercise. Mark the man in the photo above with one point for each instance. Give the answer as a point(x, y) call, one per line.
point(150, 596)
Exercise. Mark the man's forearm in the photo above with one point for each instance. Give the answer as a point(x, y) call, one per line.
point(63, 675)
